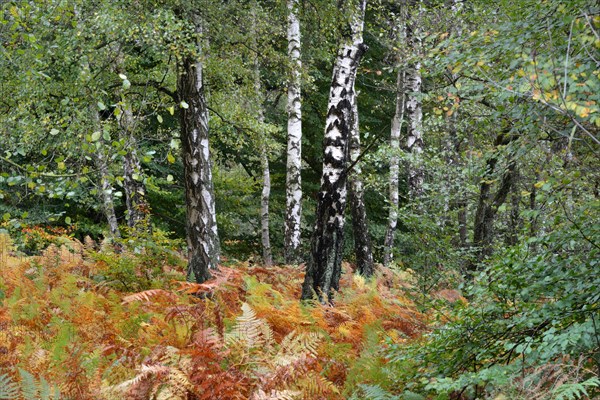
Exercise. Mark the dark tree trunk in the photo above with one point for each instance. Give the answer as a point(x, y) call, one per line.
point(488, 204)
point(360, 227)
point(201, 226)
point(324, 268)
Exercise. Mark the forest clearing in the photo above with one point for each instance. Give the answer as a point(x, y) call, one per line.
point(299, 200)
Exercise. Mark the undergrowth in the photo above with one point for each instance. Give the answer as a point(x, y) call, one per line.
point(83, 321)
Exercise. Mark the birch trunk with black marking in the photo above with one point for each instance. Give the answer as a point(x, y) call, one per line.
point(201, 225)
point(360, 227)
point(396, 130)
point(293, 186)
point(414, 110)
point(324, 268)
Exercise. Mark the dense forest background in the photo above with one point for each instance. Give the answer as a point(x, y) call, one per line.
point(176, 175)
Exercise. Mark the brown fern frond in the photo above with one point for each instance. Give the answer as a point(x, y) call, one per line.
point(148, 295)
point(275, 395)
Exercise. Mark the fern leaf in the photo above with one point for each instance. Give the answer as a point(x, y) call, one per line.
point(9, 390)
point(147, 295)
point(375, 392)
point(275, 395)
point(250, 329)
point(29, 387)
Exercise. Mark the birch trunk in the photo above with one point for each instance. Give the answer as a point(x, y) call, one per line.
point(362, 239)
point(414, 140)
point(264, 208)
point(414, 111)
point(264, 157)
point(201, 225)
point(323, 270)
point(397, 121)
point(106, 188)
point(293, 186)
point(133, 176)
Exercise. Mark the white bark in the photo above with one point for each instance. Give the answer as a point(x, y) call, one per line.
point(294, 143)
point(323, 270)
point(394, 168)
point(201, 224)
point(414, 111)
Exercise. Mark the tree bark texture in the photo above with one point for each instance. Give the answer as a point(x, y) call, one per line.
point(396, 130)
point(414, 110)
point(360, 227)
point(106, 188)
point(293, 186)
point(324, 268)
point(201, 224)
point(133, 176)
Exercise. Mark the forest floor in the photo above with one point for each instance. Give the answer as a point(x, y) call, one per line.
point(68, 324)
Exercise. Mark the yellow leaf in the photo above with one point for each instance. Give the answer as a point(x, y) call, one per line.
point(170, 158)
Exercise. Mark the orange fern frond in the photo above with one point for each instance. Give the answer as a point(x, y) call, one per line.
point(147, 295)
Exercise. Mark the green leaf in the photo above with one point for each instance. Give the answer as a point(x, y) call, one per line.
point(169, 178)
point(101, 106)
point(126, 84)
point(6, 216)
point(123, 76)
point(171, 110)
point(159, 118)
point(96, 136)
point(68, 220)
point(185, 105)
point(54, 131)
point(170, 158)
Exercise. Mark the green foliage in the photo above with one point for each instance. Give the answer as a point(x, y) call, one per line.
point(9, 390)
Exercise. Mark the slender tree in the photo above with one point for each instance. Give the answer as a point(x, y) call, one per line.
point(264, 156)
point(362, 238)
point(414, 109)
point(324, 268)
point(201, 224)
point(133, 174)
point(294, 139)
point(397, 121)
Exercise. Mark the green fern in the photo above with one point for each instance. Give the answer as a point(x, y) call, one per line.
point(9, 390)
point(375, 392)
point(34, 389)
point(575, 391)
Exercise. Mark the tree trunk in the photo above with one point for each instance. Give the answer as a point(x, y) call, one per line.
point(397, 121)
point(360, 227)
point(201, 225)
point(264, 158)
point(414, 112)
point(324, 268)
point(293, 186)
point(133, 177)
point(106, 188)
point(488, 205)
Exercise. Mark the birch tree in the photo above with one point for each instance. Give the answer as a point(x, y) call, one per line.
point(133, 175)
point(414, 110)
point(323, 270)
point(294, 138)
point(394, 169)
point(201, 224)
point(362, 239)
